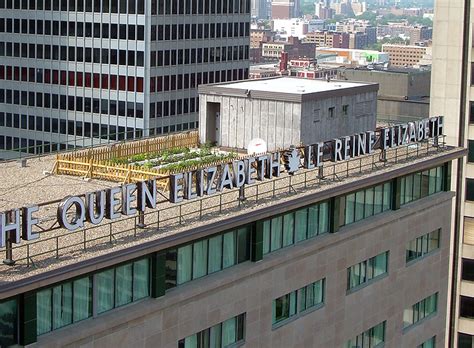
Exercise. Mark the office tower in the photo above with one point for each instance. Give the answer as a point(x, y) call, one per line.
point(79, 72)
point(259, 9)
point(285, 9)
point(451, 96)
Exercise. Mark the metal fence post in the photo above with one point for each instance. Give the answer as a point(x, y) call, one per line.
point(9, 252)
point(321, 172)
point(141, 219)
point(242, 194)
point(158, 220)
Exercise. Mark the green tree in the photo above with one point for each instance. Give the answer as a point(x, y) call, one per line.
point(368, 16)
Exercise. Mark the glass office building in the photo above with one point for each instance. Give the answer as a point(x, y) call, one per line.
point(76, 73)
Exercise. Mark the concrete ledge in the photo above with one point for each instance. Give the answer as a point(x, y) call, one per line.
point(466, 325)
point(467, 288)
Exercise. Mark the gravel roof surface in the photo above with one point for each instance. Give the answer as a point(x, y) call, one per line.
point(29, 185)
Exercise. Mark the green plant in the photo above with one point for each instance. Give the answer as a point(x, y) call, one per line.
point(148, 165)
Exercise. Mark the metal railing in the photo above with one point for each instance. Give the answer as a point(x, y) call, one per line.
point(168, 217)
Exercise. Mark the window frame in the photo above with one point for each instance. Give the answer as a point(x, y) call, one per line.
point(366, 271)
point(419, 241)
point(93, 292)
point(298, 295)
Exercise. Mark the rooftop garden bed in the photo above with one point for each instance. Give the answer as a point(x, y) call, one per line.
point(178, 158)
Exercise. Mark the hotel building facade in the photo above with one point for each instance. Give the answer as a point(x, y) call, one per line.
point(76, 73)
point(355, 254)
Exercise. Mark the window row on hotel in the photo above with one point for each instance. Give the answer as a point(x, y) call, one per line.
point(155, 274)
point(298, 302)
point(167, 32)
point(420, 310)
point(56, 307)
point(72, 103)
point(207, 256)
point(74, 301)
point(198, 55)
point(371, 338)
point(423, 245)
point(288, 229)
point(368, 202)
point(225, 334)
point(367, 270)
point(72, 78)
point(421, 184)
point(160, 7)
point(76, 29)
point(430, 343)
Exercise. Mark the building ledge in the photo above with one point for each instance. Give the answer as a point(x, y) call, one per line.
point(467, 288)
point(468, 251)
point(466, 325)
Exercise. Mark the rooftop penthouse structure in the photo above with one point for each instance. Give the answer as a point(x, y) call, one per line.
point(285, 111)
point(354, 244)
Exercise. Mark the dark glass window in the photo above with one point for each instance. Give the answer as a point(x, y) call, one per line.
point(9, 320)
point(466, 307)
point(226, 334)
point(471, 112)
point(470, 157)
point(472, 73)
point(465, 341)
point(470, 189)
point(468, 269)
